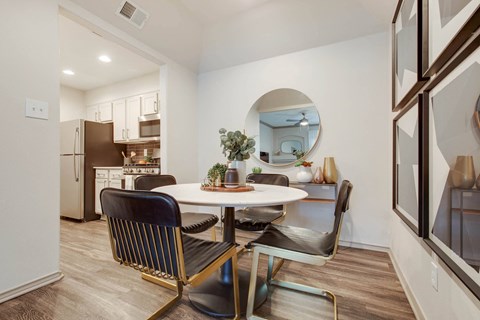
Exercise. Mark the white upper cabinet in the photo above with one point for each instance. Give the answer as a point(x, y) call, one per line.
point(133, 112)
point(150, 104)
point(92, 113)
point(125, 119)
point(119, 120)
point(100, 113)
point(105, 112)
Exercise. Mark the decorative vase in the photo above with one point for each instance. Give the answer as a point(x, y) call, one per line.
point(477, 183)
point(463, 174)
point(329, 170)
point(318, 176)
point(241, 167)
point(231, 178)
point(304, 174)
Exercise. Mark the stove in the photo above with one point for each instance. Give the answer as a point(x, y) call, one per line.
point(141, 169)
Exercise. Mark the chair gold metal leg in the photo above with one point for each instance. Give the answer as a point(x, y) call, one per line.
point(161, 282)
point(272, 271)
point(251, 288)
point(169, 304)
point(214, 234)
point(236, 290)
point(277, 267)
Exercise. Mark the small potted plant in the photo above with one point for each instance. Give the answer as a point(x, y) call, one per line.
point(305, 172)
point(216, 174)
point(237, 147)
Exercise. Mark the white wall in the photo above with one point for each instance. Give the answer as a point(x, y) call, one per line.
point(349, 84)
point(179, 123)
point(413, 257)
point(146, 83)
point(29, 190)
point(72, 104)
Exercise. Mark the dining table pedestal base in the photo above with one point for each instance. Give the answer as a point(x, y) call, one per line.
point(215, 297)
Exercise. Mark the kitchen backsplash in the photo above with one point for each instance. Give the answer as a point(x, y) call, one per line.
point(139, 149)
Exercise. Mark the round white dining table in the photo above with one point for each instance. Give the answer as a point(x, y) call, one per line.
point(215, 295)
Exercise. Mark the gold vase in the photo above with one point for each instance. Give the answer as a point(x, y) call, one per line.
point(329, 170)
point(463, 174)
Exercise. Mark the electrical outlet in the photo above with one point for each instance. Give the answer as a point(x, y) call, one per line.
point(434, 276)
point(36, 109)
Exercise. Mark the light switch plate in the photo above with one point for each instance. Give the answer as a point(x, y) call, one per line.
point(36, 109)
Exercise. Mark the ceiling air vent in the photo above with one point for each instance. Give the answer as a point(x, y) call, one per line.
point(132, 13)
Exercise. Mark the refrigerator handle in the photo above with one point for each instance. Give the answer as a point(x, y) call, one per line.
point(77, 136)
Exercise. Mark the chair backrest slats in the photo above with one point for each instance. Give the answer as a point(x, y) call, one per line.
point(143, 230)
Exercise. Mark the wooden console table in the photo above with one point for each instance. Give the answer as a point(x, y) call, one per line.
point(322, 193)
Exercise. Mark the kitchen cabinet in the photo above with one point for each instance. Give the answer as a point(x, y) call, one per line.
point(125, 119)
point(150, 104)
point(100, 113)
point(106, 178)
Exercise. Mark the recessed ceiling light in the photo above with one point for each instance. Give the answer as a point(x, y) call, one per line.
point(105, 59)
point(69, 72)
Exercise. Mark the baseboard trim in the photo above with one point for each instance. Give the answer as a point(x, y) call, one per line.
point(357, 245)
point(30, 286)
point(417, 310)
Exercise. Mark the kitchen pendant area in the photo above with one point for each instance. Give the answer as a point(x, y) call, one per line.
point(110, 106)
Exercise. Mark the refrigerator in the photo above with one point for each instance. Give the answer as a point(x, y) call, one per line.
point(83, 146)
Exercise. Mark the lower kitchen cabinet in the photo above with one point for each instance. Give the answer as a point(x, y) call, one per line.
point(106, 177)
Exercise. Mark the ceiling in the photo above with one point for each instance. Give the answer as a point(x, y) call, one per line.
point(79, 52)
point(290, 117)
point(213, 34)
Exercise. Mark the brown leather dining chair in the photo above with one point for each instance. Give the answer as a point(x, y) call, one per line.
point(258, 218)
point(301, 245)
point(193, 222)
point(145, 234)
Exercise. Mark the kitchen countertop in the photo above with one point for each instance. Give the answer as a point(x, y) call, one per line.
point(108, 168)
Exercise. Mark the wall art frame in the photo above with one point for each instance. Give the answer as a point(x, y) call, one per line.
point(408, 198)
point(447, 25)
point(407, 47)
point(449, 129)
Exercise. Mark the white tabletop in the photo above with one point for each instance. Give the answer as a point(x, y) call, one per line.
point(263, 195)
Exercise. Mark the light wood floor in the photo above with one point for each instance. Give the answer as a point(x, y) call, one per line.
point(96, 287)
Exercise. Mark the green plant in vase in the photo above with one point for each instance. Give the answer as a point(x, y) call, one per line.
point(237, 147)
point(216, 173)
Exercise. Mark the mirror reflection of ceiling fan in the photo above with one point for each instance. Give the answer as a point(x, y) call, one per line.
point(302, 122)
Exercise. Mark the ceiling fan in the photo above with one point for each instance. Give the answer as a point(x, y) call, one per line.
point(302, 122)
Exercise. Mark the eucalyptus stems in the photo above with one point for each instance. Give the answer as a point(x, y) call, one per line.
point(236, 145)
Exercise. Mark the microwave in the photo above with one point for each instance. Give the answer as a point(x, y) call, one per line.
point(149, 127)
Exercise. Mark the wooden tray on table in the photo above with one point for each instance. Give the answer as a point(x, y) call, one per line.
point(225, 189)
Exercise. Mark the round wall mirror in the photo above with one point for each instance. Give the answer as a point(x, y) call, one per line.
point(285, 124)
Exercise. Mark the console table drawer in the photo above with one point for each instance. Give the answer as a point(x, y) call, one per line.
point(317, 192)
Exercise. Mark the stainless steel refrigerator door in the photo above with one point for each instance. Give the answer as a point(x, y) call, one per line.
point(72, 137)
point(72, 186)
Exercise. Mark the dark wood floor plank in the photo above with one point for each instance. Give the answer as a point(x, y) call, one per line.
point(97, 287)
